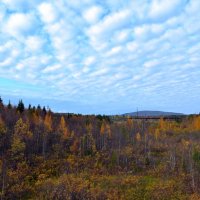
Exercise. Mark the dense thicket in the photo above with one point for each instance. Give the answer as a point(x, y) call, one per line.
point(53, 156)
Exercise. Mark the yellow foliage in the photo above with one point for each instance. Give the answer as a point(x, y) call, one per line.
point(130, 123)
point(63, 128)
point(103, 128)
point(194, 196)
point(157, 134)
point(162, 124)
point(128, 151)
point(35, 118)
point(22, 129)
point(89, 128)
point(2, 126)
point(48, 122)
point(62, 125)
point(108, 130)
point(196, 123)
point(74, 147)
point(1, 121)
point(138, 137)
point(185, 143)
point(72, 134)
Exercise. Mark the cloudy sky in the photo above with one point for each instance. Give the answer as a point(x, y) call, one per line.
point(101, 56)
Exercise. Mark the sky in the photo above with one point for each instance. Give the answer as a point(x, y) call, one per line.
point(101, 56)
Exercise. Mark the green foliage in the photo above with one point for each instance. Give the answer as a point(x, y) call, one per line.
point(17, 149)
point(113, 160)
point(196, 157)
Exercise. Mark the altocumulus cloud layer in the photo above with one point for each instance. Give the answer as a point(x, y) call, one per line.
point(107, 56)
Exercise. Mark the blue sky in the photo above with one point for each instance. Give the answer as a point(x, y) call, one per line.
point(108, 56)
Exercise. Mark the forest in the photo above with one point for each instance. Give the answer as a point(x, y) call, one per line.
point(52, 156)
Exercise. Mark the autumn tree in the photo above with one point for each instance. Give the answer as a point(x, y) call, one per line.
point(196, 123)
point(3, 136)
point(3, 149)
point(64, 137)
point(20, 151)
point(47, 131)
point(63, 130)
point(88, 143)
point(21, 141)
point(105, 135)
point(17, 149)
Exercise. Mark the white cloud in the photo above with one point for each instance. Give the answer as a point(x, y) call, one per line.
point(132, 46)
point(141, 31)
point(2, 13)
point(51, 68)
point(89, 60)
point(85, 50)
point(99, 72)
point(151, 63)
point(34, 43)
point(47, 12)
point(93, 14)
point(19, 24)
point(147, 31)
point(122, 36)
point(19, 5)
point(162, 8)
point(114, 51)
point(9, 53)
point(104, 29)
point(6, 62)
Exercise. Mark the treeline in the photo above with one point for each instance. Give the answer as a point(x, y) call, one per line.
point(45, 155)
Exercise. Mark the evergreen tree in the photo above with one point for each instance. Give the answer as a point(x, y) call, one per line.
point(1, 101)
point(38, 107)
point(9, 105)
point(33, 109)
point(44, 110)
point(29, 107)
point(20, 106)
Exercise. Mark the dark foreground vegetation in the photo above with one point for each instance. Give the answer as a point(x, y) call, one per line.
point(51, 156)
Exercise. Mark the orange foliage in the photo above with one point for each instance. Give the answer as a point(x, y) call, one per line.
point(48, 122)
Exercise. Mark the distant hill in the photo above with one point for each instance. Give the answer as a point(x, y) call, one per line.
point(151, 113)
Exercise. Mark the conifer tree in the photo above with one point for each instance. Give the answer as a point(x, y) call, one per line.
point(1, 104)
point(44, 110)
point(1, 101)
point(9, 105)
point(29, 107)
point(38, 107)
point(20, 106)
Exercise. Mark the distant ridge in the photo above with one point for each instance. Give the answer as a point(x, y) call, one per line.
point(151, 113)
